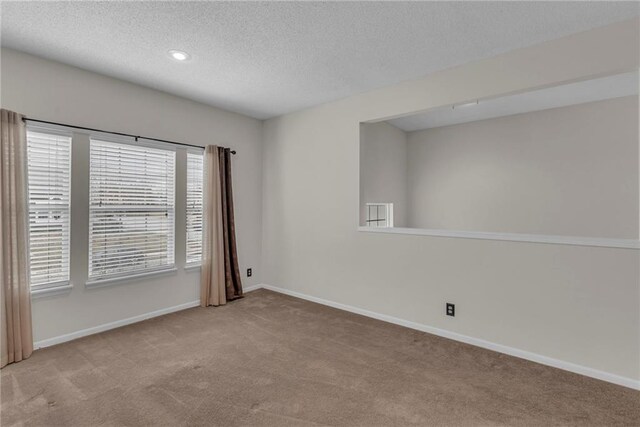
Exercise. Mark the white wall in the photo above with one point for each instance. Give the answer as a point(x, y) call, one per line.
point(383, 163)
point(52, 91)
point(566, 171)
point(572, 303)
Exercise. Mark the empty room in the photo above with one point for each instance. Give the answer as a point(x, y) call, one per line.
point(312, 213)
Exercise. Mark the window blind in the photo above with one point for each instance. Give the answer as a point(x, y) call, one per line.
point(131, 209)
point(49, 177)
point(195, 178)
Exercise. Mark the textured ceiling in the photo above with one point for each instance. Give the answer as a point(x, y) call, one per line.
point(615, 86)
point(264, 59)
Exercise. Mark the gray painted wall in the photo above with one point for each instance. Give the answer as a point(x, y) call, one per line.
point(52, 91)
point(567, 171)
point(575, 304)
point(383, 166)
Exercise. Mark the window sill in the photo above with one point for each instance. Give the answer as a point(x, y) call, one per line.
point(513, 237)
point(58, 289)
point(192, 267)
point(109, 281)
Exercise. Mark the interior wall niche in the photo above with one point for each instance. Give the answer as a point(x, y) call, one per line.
point(560, 161)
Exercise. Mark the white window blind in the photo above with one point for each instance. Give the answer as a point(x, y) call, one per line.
point(49, 176)
point(131, 209)
point(195, 177)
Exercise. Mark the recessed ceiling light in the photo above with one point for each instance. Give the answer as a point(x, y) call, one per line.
point(179, 55)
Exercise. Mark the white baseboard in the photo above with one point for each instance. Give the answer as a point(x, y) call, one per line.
point(544, 360)
point(252, 288)
point(560, 364)
point(118, 323)
point(112, 325)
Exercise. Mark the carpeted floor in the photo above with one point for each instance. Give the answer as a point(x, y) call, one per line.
point(274, 360)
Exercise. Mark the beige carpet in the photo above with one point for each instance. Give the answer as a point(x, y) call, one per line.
point(274, 360)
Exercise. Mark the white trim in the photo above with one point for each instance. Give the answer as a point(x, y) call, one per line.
point(96, 283)
point(49, 128)
point(49, 285)
point(252, 288)
point(41, 292)
point(512, 237)
point(523, 354)
point(195, 150)
point(192, 266)
point(118, 323)
point(112, 325)
point(95, 135)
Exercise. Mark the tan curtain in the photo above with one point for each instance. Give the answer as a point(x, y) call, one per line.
point(15, 328)
point(220, 278)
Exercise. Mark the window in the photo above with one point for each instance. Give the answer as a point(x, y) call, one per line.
point(379, 215)
point(131, 209)
point(195, 169)
point(49, 176)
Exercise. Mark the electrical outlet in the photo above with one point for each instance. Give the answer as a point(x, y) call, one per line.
point(249, 272)
point(451, 309)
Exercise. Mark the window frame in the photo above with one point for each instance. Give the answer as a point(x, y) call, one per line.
point(99, 280)
point(388, 206)
point(64, 283)
point(193, 263)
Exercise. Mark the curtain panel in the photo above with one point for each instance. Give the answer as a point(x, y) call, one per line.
point(220, 274)
point(15, 293)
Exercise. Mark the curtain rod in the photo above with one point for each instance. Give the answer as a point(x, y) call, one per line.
point(26, 119)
